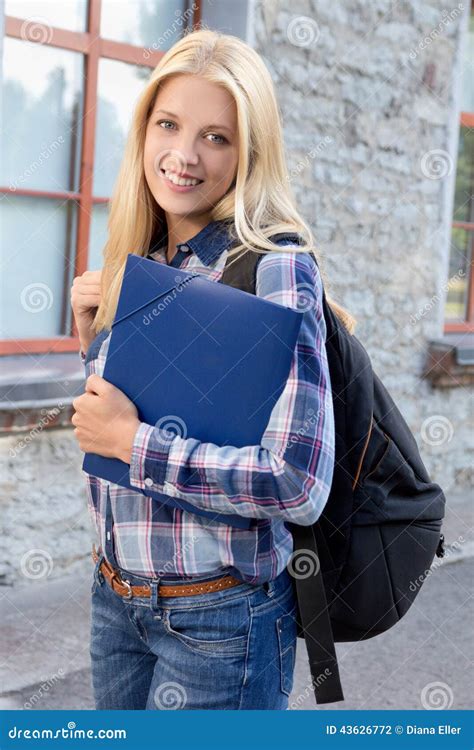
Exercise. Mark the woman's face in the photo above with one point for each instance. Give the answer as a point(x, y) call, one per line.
point(192, 130)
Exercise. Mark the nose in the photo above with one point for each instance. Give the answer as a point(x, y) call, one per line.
point(188, 152)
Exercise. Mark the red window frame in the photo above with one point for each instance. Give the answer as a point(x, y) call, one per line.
point(93, 47)
point(467, 325)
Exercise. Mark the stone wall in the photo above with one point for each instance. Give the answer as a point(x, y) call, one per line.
point(369, 94)
point(365, 111)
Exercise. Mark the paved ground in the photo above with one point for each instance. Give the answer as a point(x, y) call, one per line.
point(45, 645)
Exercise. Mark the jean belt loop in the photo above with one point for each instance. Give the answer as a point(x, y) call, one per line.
point(154, 596)
point(98, 575)
point(270, 588)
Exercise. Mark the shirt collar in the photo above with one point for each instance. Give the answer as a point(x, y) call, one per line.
point(209, 243)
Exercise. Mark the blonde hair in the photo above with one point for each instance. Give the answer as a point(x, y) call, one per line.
point(260, 202)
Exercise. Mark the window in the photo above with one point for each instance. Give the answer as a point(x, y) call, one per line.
point(459, 310)
point(71, 73)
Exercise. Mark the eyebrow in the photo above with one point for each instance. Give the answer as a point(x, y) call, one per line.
point(172, 114)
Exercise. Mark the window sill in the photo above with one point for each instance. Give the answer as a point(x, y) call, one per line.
point(450, 361)
point(37, 390)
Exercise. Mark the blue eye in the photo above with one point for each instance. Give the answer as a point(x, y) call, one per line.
point(215, 135)
point(223, 140)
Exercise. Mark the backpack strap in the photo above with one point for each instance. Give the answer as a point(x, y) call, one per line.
point(310, 591)
point(242, 272)
point(314, 616)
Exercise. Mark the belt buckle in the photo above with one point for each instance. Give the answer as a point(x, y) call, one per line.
point(127, 584)
point(129, 595)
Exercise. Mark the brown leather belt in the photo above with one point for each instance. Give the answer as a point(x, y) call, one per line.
point(123, 587)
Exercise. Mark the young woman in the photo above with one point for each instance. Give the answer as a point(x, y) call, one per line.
point(187, 612)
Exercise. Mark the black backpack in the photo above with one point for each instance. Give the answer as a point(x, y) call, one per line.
point(358, 569)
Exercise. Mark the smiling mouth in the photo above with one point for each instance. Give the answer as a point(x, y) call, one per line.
point(163, 172)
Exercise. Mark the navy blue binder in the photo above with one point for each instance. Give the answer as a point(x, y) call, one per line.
point(198, 358)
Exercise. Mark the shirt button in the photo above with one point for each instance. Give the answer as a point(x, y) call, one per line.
point(148, 481)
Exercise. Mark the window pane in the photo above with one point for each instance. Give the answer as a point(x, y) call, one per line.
point(459, 269)
point(463, 196)
point(119, 87)
point(64, 15)
point(38, 237)
point(153, 24)
point(98, 236)
point(467, 95)
point(42, 116)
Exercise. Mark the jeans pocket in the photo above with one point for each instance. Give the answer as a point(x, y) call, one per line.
point(219, 630)
point(286, 631)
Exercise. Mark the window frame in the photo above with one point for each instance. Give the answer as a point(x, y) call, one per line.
point(466, 325)
point(93, 47)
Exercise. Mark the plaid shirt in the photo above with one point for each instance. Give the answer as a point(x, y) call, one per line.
point(286, 478)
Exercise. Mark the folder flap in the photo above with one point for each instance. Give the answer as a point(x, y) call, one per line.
point(144, 286)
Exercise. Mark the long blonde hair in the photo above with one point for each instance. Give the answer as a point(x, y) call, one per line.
point(259, 204)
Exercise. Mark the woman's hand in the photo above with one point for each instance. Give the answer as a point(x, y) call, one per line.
point(85, 299)
point(105, 420)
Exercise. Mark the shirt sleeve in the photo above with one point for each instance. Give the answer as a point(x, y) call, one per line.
point(287, 476)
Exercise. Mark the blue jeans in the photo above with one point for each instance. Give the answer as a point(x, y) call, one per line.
point(231, 649)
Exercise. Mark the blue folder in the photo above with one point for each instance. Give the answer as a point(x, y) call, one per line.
point(198, 358)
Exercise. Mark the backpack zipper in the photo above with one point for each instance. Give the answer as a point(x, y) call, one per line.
point(364, 451)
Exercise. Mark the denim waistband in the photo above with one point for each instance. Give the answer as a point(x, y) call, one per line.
point(273, 588)
point(172, 580)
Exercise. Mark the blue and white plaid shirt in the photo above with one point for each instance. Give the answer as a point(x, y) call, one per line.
point(286, 478)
